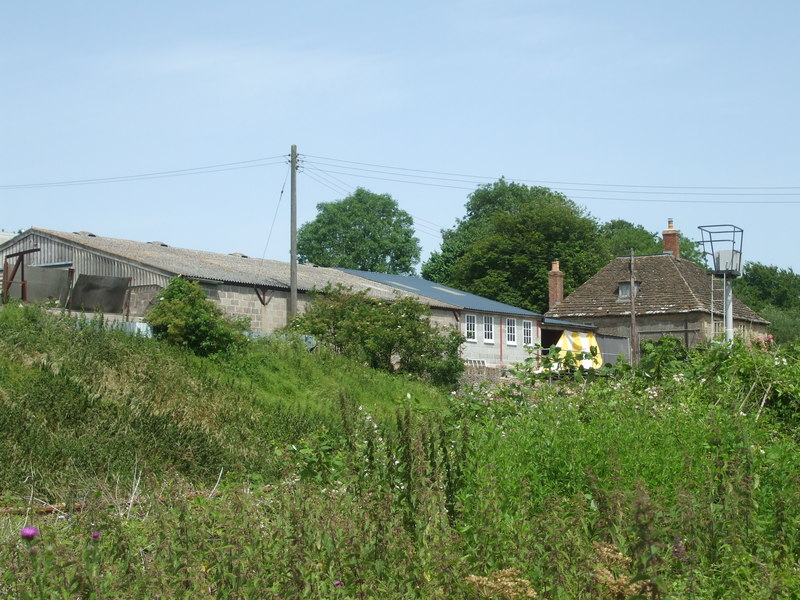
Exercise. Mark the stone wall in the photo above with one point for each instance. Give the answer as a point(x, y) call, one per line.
point(484, 376)
point(690, 328)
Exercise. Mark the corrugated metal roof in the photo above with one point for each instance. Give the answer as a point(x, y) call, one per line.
point(230, 268)
point(442, 293)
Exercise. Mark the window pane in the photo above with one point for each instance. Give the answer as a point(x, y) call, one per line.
point(470, 329)
point(488, 329)
point(527, 333)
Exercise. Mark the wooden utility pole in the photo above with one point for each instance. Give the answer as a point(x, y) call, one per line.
point(293, 259)
point(634, 332)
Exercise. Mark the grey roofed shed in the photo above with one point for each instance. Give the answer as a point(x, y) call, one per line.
point(156, 262)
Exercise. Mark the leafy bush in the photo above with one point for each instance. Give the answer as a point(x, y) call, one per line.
point(185, 317)
point(662, 355)
point(392, 336)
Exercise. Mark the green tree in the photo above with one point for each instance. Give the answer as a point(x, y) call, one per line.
point(503, 247)
point(623, 235)
point(762, 285)
point(775, 294)
point(365, 231)
point(184, 316)
point(481, 205)
point(784, 323)
point(392, 336)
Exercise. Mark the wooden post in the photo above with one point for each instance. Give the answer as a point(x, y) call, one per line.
point(634, 332)
point(293, 259)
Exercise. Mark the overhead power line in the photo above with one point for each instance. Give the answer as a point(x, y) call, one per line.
point(694, 196)
point(338, 186)
point(232, 166)
point(332, 183)
point(332, 172)
point(275, 217)
point(553, 182)
point(474, 180)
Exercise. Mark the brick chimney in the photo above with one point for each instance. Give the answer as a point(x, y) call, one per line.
point(672, 240)
point(555, 285)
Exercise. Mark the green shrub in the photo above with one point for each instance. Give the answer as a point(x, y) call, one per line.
point(185, 317)
point(662, 356)
point(392, 336)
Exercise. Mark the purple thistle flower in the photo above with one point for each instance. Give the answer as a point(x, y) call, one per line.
point(337, 583)
point(29, 532)
point(95, 535)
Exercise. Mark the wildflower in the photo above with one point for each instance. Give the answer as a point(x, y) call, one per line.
point(29, 532)
point(95, 535)
point(337, 583)
point(679, 550)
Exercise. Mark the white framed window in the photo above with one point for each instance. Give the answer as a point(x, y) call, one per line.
point(511, 332)
point(471, 328)
point(527, 333)
point(488, 330)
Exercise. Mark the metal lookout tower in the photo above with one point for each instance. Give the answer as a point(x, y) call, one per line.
point(723, 243)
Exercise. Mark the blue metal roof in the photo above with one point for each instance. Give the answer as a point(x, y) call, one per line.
point(558, 323)
point(442, 293)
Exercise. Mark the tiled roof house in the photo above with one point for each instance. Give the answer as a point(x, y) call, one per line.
point(674, 297)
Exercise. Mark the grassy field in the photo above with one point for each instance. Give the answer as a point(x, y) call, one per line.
point(279, 473)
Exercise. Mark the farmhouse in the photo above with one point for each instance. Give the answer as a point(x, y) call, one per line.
point(87, 272)
point(672, 296)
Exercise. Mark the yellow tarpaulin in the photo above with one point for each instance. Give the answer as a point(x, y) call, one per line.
point(580, 341)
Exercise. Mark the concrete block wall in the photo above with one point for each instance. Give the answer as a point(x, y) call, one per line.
point(500, 352)
point(478, 350)
point(242, 301)
point(142, 298)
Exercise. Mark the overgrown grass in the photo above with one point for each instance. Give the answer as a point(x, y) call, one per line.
point(684, 484)
point(82, 406)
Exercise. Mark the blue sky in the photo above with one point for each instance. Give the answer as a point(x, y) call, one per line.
point(639, 110)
